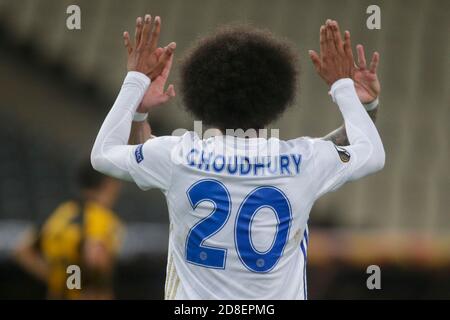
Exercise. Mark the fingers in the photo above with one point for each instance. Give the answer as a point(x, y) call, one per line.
point(348, 46)
point(127, 42)
point(334, 27)
point(145, 39)
point(323, 41)
point(138, 32)
point(155, 34)
point(159, 52)
point(361, 57)
point(169, 94)
point(164, 59)
point(166, 71)
point(168, 52)
point(374, 62)
point(315, 60)
point(331, 46)
point(171, 91)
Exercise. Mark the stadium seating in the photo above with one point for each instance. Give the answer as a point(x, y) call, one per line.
point(412, 191)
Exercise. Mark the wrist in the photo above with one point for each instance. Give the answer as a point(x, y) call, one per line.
point(338, 84)
point(139, 75)
point(371, 105)
point(140, 117)
point(142, 108)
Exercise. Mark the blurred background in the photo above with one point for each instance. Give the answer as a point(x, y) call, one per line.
point(56, 86)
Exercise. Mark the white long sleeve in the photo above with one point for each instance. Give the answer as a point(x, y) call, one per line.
point(365, 142)
point(365, 154)
point(111, 152)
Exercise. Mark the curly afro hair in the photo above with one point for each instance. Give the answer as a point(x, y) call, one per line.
point(239, 78)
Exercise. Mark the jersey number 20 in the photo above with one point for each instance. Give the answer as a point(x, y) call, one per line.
point(262, 197)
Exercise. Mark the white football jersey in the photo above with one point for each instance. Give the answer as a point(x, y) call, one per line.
point(238, 210)
point(238, 207)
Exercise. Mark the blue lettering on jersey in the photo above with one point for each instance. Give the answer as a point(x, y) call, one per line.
point(297, 158)
point(138, 154)
point(205, 161)
point(261, 166)
point(245, 166)
point(191, 157)
point(232, 166)
point(284, 164)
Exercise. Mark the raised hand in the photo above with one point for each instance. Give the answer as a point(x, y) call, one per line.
point(336, 59)
point(144, 56)
point(155, 94)
point(366, 80)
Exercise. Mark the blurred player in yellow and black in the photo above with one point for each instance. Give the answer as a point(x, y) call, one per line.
point(83, 232)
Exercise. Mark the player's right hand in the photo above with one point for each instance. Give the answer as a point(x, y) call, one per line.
point(336, 59)
point(143, 56)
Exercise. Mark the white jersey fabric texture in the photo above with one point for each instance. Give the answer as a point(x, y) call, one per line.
point(238, 207)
